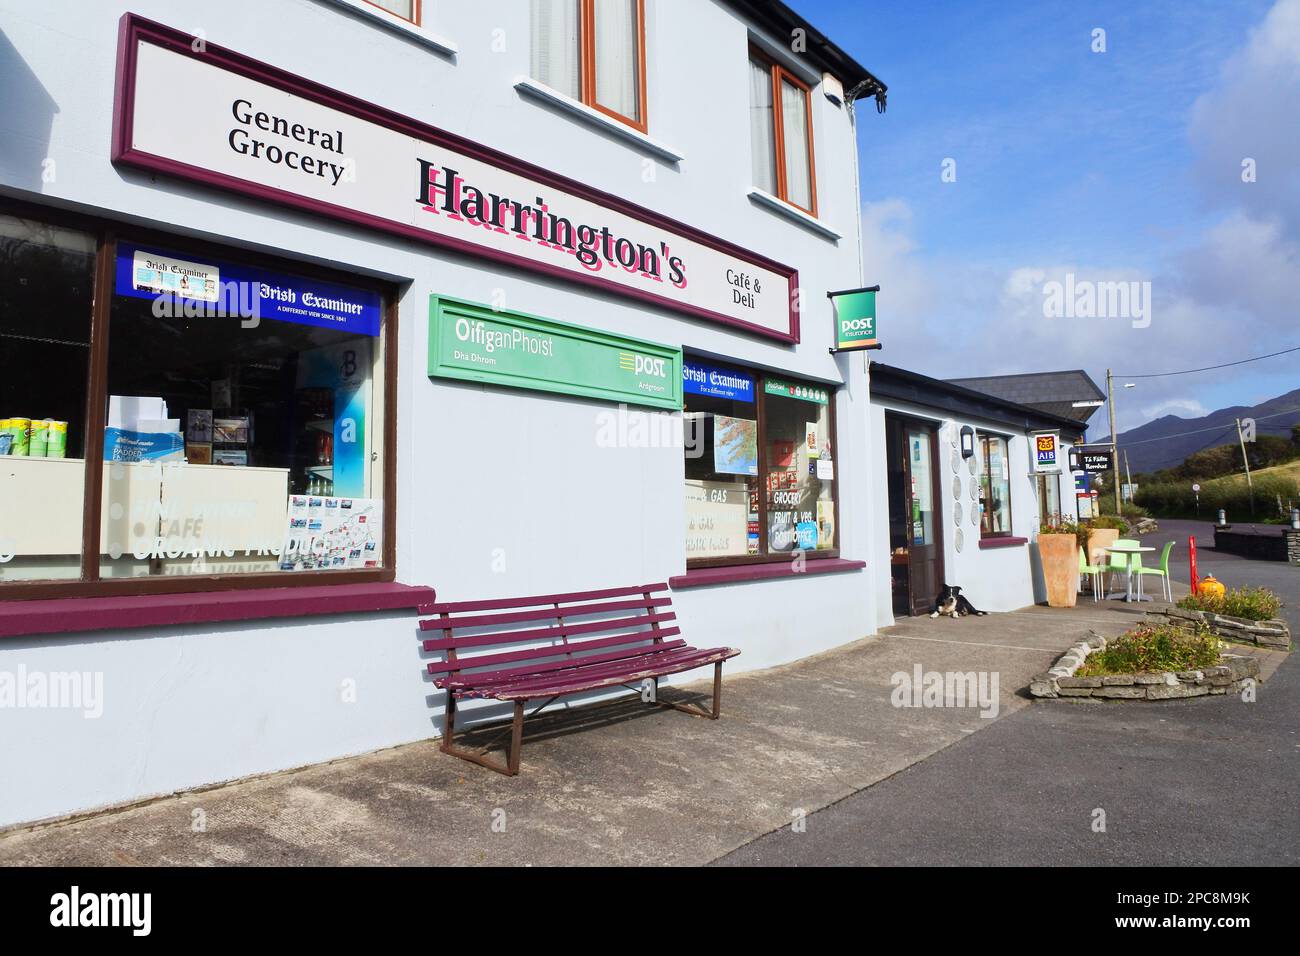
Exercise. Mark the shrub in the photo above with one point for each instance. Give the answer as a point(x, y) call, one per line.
point(1149, 648)
point(1253, 604)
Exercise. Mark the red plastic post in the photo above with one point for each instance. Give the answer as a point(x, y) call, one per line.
point(1191, 557)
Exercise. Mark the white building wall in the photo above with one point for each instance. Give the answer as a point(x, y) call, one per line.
point(500, 492)
point(995, 578)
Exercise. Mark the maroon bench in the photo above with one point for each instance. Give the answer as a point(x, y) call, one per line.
point(551, 645)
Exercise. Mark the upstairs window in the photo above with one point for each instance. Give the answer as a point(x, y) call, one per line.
point(780, 134)
point(594, 53)
point(406, 9)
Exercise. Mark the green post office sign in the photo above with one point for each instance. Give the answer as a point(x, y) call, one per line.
point(478, 344)
point(855, 319)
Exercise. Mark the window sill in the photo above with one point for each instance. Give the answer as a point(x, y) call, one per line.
point(391, 21)
point(987, 543)
point(764, 198)
point(702, 577)
point(69, 615)
point(527, 86)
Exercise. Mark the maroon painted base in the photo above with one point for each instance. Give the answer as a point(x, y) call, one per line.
point(68, 615)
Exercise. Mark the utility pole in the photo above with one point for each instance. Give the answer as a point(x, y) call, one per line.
point(1114, 441)
point(1250, 484)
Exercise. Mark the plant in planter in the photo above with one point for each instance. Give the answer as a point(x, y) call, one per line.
point(1153, 648)
point(1059, 541)
point(1251, 604)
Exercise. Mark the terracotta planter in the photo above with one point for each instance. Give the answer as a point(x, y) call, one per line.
point(1098, 541)
point(1060, 557)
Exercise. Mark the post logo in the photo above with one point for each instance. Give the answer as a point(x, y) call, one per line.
point(643, 364)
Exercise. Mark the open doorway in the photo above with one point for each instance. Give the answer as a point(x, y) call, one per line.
point(915, 533)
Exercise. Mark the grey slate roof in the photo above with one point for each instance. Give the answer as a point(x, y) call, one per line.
point(1051, 392)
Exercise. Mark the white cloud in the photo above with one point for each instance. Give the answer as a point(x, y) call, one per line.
point(1230, 295)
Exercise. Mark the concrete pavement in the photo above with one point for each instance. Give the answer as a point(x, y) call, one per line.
point(619, 783)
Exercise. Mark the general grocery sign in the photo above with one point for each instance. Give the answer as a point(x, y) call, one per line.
point(219, 118)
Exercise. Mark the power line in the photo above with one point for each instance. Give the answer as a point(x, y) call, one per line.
point(1197, 431)
point(1210, 368)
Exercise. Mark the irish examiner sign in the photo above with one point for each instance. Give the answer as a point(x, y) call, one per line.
point(249, 127)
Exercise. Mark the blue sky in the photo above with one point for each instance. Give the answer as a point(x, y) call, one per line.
point(1117, 164)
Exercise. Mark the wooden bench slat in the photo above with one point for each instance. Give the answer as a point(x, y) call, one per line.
point(535, 653)
point(540, 614)
point(598, 670)
point(516, 675)
point(543, 633)
point(577, 682)
point(453, 607)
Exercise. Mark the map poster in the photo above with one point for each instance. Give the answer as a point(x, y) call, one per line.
point(331, 534)
point(735, 445)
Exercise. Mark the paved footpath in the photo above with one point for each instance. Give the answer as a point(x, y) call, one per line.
point(630, 784)
point(1190, 782)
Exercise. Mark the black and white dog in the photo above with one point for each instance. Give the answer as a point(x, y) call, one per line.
point(951, 603)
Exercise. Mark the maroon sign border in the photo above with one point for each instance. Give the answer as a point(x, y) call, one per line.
point(134, 28)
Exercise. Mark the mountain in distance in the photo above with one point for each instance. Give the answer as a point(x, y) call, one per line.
point(1167, 441)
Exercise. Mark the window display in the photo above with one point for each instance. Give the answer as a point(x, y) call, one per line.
point(276, 401)
point(240, 407)
point(47, 277)
point(760, 467)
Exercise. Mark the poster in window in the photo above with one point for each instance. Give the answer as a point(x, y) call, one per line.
point(810, 439)
point(717, 518)
point(781, 530)
point(825, 522)
point(332, 534)
point(735, 445)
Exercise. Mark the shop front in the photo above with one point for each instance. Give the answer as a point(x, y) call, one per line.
point(966, 481)
point(282, 362)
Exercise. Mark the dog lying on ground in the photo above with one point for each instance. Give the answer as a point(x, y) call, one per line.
point(951, 603)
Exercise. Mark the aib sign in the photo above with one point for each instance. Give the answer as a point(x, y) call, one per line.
point(1046, 452)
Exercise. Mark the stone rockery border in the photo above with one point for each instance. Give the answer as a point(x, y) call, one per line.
point(1232, 675)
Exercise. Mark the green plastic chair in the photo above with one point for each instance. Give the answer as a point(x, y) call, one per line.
point(1094, 571)
point(1161, 572)
point(1119, 563)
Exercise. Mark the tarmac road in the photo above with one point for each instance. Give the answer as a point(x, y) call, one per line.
point(1181, 783)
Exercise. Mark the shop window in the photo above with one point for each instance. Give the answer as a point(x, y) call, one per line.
point(780, 134)
point(239, 409)
point(594, 53)
point(995, 488)
point(47, 280)
point(406, 9)
point(760, 471)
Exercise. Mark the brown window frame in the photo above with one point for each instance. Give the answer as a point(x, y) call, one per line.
point(983, 439)
point(416, 10)
point(780, 74)
point(107, 233)
point(760, 401)
point(587, 65)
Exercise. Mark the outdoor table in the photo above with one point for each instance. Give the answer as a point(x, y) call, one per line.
point(1130, 553)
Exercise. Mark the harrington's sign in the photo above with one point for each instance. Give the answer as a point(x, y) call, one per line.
point(249, 127)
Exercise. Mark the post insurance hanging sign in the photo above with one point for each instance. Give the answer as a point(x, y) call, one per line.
point(216, 117)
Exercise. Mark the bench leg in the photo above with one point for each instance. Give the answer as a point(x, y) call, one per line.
point(692, 709)
point(510, 767)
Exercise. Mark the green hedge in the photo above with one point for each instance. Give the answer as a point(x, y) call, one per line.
point(1176, 499)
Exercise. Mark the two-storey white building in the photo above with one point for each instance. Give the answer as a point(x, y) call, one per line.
point(308, 307)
